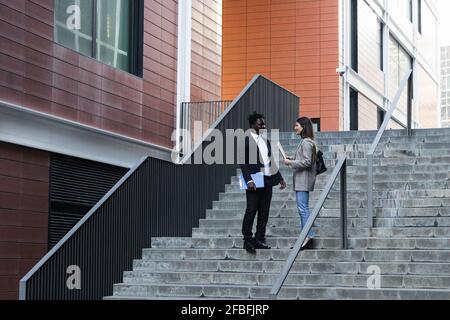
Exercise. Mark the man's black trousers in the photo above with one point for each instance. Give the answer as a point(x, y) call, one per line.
point(258, 203)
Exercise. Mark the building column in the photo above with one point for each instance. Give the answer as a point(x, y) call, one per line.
point(184, 60)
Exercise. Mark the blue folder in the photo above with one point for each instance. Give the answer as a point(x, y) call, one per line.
point(258, 179)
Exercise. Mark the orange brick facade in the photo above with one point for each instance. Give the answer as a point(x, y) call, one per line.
point(293, 42)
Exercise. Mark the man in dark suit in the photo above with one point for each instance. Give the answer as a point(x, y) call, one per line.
point(258, 200)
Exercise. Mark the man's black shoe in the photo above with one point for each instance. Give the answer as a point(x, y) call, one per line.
point(260, 245)
point(249, 246)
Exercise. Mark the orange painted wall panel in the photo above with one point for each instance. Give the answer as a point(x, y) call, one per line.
point(293, 42)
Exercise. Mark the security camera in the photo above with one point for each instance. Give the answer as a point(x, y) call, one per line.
point(341, 70)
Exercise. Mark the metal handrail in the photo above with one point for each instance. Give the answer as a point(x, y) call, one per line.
point(87, 216)
point(341, 168)
point(375, 143)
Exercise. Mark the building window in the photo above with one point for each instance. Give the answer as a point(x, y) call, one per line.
point(353, 110)
point(316, 124)
point(410, 10)
point(399, 63)
point(110, 31)
point(354, 35)
point(380, 117)
point(381, 37)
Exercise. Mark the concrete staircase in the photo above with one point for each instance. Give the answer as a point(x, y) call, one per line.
point(410, 244)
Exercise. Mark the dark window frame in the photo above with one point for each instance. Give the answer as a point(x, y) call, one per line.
point(419, 16)
point(316, 121)
point(353, 110)
point(136, 57)
point(410, 10)
point(382, 26)
point(380, 117)
point(354, 35)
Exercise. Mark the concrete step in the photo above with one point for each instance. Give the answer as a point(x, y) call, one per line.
point(336, 204)
point(380, 170)
point(394, 150)
point(378, 186)
point(318, 255)
point(237, 242)
point(297, 280)
point(405, 199)
point(270, 232)
point(379, 177)
point(399, 153)
point(350, 141)
point(360, 195)
point(329, 224)
point(416, 133)
point(286, 213)
point(331, 231)
point(301, 266)
point(290, 204)
point(291, 146)
point(319, 243)
point(423, 160)
point(143, 291)
point(399, 243)
point(292, 222)
point(441, 213)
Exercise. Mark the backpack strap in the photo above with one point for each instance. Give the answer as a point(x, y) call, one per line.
point(314, 149)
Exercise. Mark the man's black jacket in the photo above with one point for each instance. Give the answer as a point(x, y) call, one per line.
point(253, 162)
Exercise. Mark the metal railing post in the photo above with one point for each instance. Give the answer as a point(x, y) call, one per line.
point(303, 234)
point(370, 190)
point(409, 108)
point(387, 118)
point(344, 205)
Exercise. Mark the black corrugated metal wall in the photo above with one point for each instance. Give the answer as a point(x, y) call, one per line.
point(158, 198)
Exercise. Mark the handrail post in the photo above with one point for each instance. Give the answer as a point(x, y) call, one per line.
point(370, 190)
point(344, 205)
point(304, 233)
point(409, 107)
point(374, 145)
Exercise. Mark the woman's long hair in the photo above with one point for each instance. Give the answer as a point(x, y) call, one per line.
point(308, 131)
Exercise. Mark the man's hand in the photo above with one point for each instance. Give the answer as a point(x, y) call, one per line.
point(282, 184)
point(251, 186)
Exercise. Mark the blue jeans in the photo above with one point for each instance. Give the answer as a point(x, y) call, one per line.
point(303, 210)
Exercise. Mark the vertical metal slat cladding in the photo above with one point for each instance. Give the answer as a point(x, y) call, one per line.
point(158, 199)
point(76, 185)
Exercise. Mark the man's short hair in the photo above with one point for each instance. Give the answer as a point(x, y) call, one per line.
point(254, 117)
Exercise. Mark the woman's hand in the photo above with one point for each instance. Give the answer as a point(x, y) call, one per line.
point(287, 162)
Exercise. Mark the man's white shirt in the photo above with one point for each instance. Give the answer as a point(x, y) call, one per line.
point(264, 153)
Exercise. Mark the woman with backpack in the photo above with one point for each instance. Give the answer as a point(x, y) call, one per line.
point(304, 166)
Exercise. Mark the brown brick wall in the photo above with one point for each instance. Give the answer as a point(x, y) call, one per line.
point(24, 185)
point(39, 74)
point(293, 42)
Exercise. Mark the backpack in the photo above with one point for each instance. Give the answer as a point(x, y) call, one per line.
point(320, 164)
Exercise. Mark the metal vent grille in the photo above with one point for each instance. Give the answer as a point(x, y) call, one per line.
point(76, 185)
